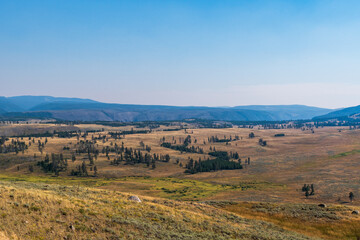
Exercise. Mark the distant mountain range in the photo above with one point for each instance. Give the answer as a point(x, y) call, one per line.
point(345, 113)
point(26, 103)
point(89, 110)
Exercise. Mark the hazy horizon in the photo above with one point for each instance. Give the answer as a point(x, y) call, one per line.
point(215, 106)
point(183, 53)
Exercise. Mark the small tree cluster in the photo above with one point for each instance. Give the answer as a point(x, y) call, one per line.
point(262, 142)
point(56, 164)
point(81, 170)
point(308, 189)
point(14, 146)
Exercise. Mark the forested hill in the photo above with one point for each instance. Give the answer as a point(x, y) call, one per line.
point(351, 112)
point(89, 110)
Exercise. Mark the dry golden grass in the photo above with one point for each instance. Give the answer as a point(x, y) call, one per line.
point(39, 211)
point(328, 158)
point(332, 222)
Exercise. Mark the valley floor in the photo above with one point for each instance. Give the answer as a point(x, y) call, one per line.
point(264, 200)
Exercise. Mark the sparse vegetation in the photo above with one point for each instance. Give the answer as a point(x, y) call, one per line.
point(239, 167)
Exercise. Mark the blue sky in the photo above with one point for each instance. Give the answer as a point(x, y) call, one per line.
point(214, 53)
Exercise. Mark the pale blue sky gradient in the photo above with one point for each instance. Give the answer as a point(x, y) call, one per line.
point(212, 53)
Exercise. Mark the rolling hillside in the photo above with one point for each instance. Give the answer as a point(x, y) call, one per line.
point(7, 105)
point(73, 212)
point(289, 111)
point(88, 110)
point(121, 112)
point(350, 112)
point(27, 102)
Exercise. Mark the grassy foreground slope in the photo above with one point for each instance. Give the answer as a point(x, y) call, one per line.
point(51, 211)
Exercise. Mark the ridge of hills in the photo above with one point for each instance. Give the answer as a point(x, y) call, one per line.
point(77, 109)
point(345, 113)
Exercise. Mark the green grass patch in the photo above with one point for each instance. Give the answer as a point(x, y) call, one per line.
point(73, 181)
point(166, 187)
point(182, 189)
point(192, 190)
point(172, 188)
point(344, 154)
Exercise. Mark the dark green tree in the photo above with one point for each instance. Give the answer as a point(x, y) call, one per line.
point(351, 196)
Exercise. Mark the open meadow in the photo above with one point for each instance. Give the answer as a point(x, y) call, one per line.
point(180, 166)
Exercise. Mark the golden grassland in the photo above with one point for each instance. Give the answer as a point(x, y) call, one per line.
point(41, 211)
point(332, 222)
point(329, 159)
point(266, 192)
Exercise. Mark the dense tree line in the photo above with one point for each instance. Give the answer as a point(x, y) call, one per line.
point(36, 135)
point(132, 131)
point(279, 135)
point(60, 134)
point(211, 165)
point(224, 155)
point(172, 129)
point(67, 134)
point(215, 139)
point(121, 134)
point(183, 148)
